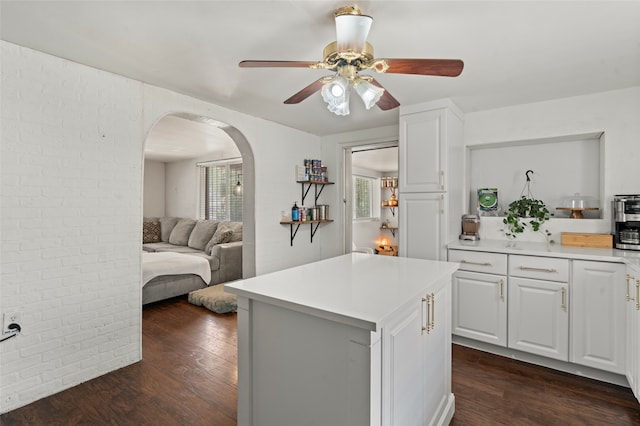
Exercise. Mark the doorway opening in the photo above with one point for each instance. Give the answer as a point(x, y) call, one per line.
point(371, 216)
point(174, 150)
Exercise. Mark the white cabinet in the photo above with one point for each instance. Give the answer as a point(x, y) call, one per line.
point(598, 317)
point(518, 310)
point(539, 305)
point(539, 317)
point(416, 374)
point(422, 151)
point(632, 299)
point(423, 225)
point(479, 296)
point(431, 158)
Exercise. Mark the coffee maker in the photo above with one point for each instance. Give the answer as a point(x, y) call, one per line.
point(626, 222)
point(470, 227)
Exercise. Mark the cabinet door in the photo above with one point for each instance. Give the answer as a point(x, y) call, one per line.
point(424, 215)
point(422, 151)
point(437, 358)
point(417, 362)
point(598, 329)
point(539, 317)
point(403, 393)
point(480, 307)
point(632, 292)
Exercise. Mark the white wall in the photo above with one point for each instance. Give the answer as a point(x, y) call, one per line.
point(615, 113)
point(154, 189)
point(70, 221)
point(71, 213)
point(182, 183)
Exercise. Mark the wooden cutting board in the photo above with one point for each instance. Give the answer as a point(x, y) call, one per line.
point(587, 240)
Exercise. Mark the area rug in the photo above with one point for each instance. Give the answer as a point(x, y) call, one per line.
point(215, 299)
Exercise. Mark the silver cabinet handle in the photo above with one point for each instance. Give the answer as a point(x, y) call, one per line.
point(502, 289)
point(563, 305)
point(441, 179)
point(469, 262)
point(425, 323)
point(531, 268)
point(628, 291)
point(433, 311)
point(638, 295)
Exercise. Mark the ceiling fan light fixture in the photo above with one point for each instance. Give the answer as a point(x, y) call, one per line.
point(351, 33)
point(369, 93)
point(335, 92)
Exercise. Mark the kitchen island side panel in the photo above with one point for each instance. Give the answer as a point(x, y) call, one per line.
point(308, 370)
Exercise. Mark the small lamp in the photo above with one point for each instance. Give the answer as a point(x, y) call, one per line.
point(239, 185)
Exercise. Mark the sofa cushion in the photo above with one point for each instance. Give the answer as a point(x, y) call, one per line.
point(220, 237)
point(152, 247)
point(202, 233)
point(181, 232)
point(166, 226)
point(236, 227)
point(178, 249)
point(151, 232)
point(214, 261)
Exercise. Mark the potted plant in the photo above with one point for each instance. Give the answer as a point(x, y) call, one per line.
point(527, 212)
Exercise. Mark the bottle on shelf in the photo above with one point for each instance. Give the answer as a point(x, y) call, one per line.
point(295, 212)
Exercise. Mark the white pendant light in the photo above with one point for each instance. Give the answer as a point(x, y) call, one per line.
point(335, 93)
point(369, 93)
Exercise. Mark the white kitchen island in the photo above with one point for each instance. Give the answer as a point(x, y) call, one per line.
point(352, 340)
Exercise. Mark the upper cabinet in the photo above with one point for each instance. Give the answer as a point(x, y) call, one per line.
point(430, 143)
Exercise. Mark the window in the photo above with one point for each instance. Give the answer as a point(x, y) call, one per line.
point(362, 197)
point(218, 198)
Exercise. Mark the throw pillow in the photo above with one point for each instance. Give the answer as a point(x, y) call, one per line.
point(181, 232)
point(202, 233)
point(151, 232)
point(166, 226)
point(236, 227)
point(220, 237)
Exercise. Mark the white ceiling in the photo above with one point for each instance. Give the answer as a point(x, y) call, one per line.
point(514, 51)
point(383, 160)
point(175, 138)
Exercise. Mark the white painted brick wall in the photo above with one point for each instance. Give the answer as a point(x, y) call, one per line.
point(71, 170)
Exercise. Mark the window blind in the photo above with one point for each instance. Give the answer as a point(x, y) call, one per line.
point(218, 197)
point(362, 208)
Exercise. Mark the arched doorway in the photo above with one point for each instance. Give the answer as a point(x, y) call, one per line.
point(188, 200)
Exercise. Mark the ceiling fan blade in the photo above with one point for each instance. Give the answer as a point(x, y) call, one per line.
point(439, 67)
point(278, 64)
point(306, 92)
point(387, 101)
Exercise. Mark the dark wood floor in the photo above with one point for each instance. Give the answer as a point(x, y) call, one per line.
point(188, 377)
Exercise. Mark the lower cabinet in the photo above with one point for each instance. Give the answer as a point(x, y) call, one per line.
point(632, 310)
point(598, 317)
point(416, 379)
point(576, 311)
point(539, 317)
point(480, 307)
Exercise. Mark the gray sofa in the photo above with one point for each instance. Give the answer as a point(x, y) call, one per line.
point(220, 242)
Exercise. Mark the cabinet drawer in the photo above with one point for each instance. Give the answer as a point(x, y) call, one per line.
point(540, 268)
point(477, 261)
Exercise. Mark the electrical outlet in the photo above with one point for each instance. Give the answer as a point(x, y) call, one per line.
point(11, 318)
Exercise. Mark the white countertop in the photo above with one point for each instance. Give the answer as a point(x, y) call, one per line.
point(358, 289)
point(549, 250)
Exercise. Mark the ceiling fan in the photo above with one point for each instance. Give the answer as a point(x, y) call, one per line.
point(347, 57)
